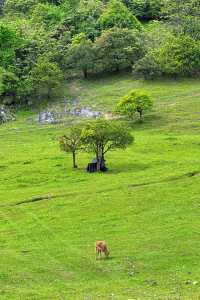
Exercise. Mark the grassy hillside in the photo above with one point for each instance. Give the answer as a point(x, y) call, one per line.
point(146, 207)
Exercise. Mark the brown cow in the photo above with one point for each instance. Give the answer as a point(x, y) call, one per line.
point(101, 248)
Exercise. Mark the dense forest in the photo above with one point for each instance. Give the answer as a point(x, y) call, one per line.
point(44, 43)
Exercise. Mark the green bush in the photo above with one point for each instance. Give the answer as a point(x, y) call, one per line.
point(177, 56)
point(116, 14)
point(135, 102)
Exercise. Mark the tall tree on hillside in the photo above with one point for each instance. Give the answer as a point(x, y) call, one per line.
point(102, 136)
point(80, 55)
point(46, 78)
point(118, 49)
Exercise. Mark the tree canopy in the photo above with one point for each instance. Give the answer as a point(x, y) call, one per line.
point(77, 37)
point(102, 136)
point(135, 102)
point(117, 15)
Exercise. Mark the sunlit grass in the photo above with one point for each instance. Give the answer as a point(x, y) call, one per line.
point(146, 207)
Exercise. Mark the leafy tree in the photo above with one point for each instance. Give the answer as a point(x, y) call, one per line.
point(80, 55)
point(8, 86)
point(47, 15)
point(148, 66)
point(19, 7)
point(134, 102)
point(86, 18)
point(184, 16)
point(71, 142)
point(102, 136)
point(46, 79)
point(9, 42)
point(118, 49)
point(117, 14)
point(180, 56)
point(177, 56)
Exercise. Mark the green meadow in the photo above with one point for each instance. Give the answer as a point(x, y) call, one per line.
point(146, 207)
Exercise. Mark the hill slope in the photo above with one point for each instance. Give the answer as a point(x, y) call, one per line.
point(146, 207)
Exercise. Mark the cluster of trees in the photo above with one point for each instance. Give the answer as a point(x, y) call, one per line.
point(98, 137)
point(44, 42)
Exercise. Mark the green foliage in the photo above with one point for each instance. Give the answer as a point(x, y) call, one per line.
point(93, 36)
point(9, 42)
point(180, 56)
point(116, 14)
point(19, 6)
point(176, 56)
point(135, 102)
point(85, 18)
point(80, 55)
point(102, 136)
point(47, 15)
point(118, 49)
point(46, 79)
point(184, 16)
point(8, 86)
point(1, 6)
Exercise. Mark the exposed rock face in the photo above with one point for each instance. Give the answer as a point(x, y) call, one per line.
point(6, 115)
point(85, 112)
point(47, 117)
point(66, 109)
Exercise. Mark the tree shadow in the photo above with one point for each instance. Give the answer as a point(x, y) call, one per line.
point(128, 168)
point(147, 123)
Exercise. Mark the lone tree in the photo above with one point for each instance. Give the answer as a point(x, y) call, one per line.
point(102, 136)
point(135, 102)
point(71, 142)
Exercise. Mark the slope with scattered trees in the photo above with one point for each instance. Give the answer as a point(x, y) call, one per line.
point(152, 38)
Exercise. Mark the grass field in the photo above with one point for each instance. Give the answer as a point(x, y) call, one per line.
point(147, 207)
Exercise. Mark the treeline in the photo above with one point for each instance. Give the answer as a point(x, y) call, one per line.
point(43, 43)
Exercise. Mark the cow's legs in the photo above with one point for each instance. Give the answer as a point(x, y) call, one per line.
point(98, 254)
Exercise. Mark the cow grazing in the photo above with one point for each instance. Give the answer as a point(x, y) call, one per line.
point(101, 248)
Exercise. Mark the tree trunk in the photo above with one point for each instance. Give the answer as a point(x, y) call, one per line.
point(98, 162)
point(74, 160)
point(141, 115)
point(117, 69)
point(102, 153)
point(85, 73)
point(49, 94)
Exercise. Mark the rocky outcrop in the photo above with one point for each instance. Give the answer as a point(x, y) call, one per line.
point(6, 115)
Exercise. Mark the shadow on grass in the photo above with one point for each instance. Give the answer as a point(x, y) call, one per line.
point(133, 167)
point(106, 258)
point(148, 123)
